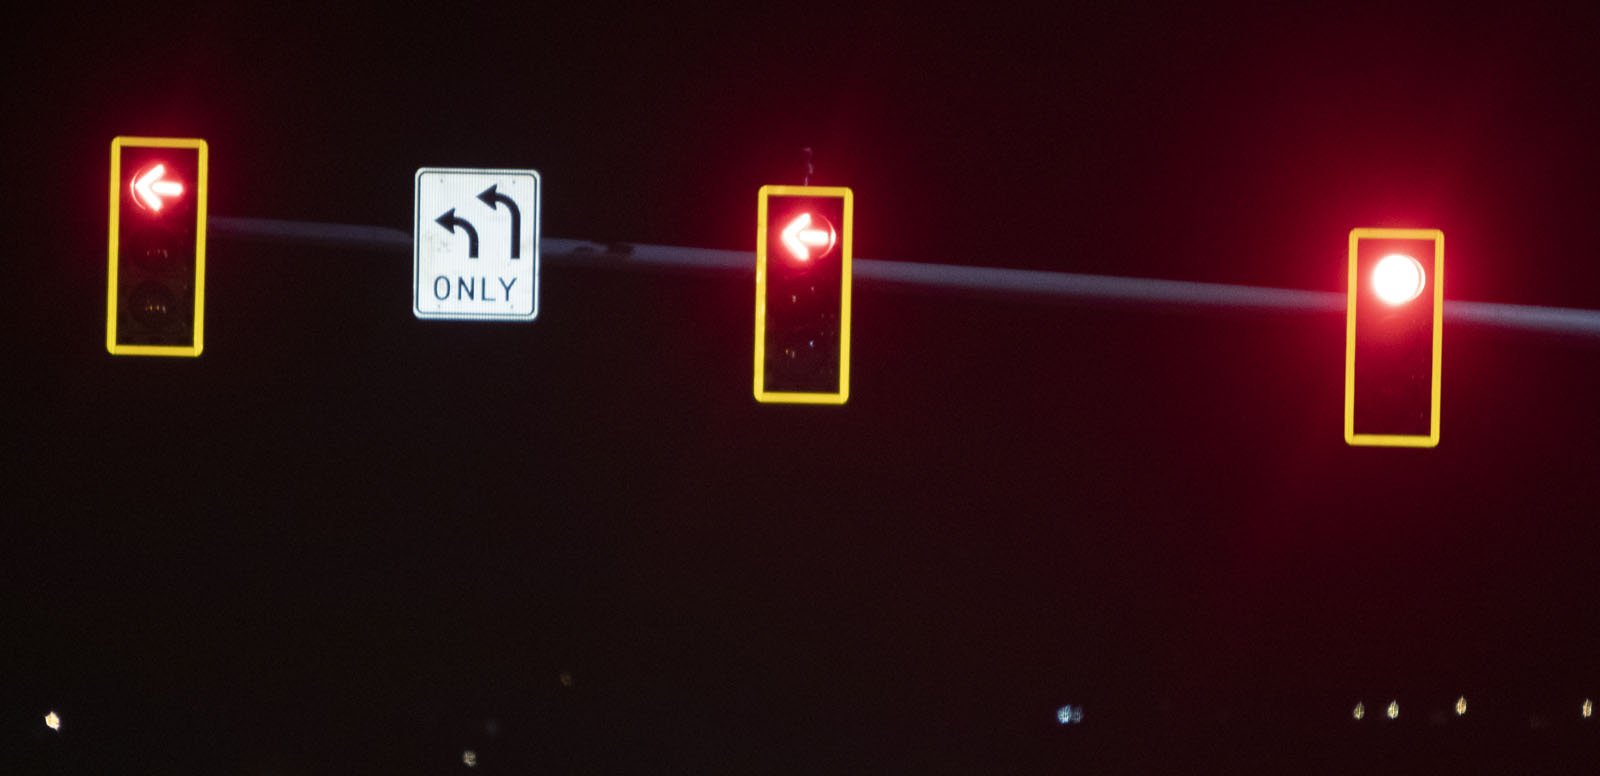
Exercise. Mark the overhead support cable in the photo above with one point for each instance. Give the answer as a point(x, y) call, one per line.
point(980, 281)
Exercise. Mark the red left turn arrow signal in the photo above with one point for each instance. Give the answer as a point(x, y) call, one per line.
point(151, 184)
point(806, 240)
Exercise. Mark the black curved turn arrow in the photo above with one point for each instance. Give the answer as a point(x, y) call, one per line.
point(449, 221)
point(490, 196)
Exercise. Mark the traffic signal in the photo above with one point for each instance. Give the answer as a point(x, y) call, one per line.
point(155, 294)
point(803, 294)
point(1393, 337)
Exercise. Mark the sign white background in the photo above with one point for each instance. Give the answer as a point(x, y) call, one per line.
point(446, 282)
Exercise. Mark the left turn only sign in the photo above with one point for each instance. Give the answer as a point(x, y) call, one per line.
point(475, 245)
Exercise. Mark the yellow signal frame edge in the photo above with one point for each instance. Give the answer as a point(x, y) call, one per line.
point(1431, 439)
point(795, 397)
point(117, 144)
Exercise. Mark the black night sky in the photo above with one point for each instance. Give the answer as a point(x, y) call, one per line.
point(345, 540)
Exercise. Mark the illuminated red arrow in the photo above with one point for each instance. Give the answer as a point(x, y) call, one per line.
point(800, 237)
point(151, 185)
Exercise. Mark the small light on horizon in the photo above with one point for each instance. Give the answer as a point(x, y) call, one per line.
point(469, 758)
point(53, 721)
point(1588, 708)
point(1360, 710)
point(1461, 706)
point(1394, 709)
point(1069, 714)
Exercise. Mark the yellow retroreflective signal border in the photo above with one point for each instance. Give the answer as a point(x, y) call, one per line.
point(845, 244)
point(201, 151)
point(1436, 281)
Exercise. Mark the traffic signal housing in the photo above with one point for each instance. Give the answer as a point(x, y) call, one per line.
point(155, 294)
point(803, 294)
point(1393, 338)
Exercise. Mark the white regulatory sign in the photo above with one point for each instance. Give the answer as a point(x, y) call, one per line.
point(475, 245)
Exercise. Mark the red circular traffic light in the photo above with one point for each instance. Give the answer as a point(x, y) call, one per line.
point(1398, 279)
